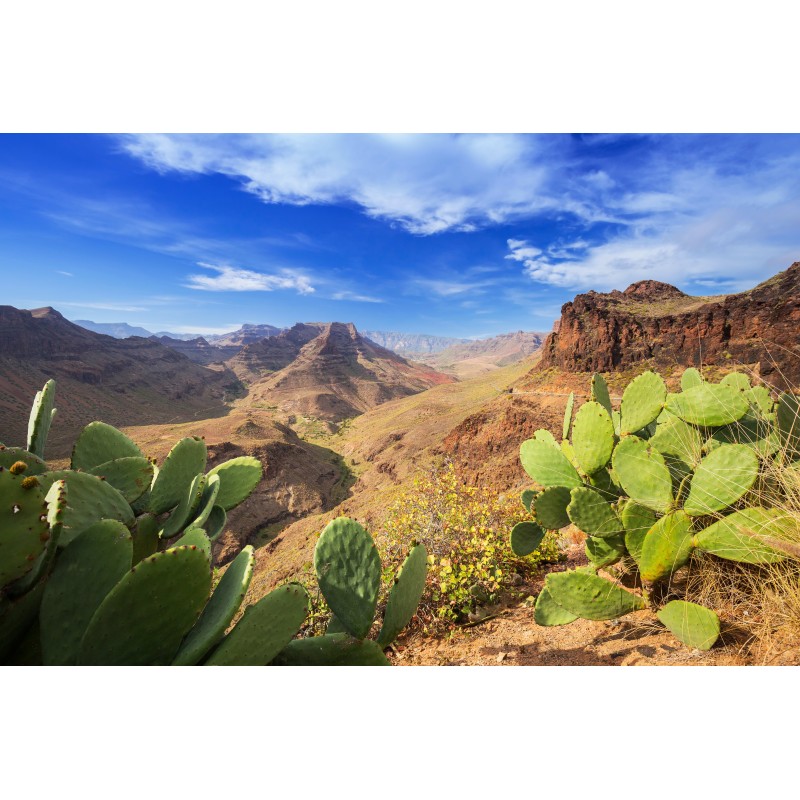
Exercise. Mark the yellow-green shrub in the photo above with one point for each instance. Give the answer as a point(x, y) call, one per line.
point(465, 530)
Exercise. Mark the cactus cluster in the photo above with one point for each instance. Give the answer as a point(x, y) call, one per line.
point(668, 477)
point(109, 562)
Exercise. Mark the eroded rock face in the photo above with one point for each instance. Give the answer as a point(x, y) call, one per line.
point(656, 321)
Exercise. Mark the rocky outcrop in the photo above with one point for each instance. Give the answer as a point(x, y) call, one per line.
point(657, 322)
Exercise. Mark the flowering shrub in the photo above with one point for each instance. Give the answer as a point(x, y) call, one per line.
point(465, 530)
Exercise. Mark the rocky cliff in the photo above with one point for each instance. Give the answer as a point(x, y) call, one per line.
point(657, 322)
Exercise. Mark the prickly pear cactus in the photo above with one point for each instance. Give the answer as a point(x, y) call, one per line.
point(669, 478)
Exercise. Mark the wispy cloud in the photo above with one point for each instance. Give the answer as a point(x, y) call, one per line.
point(236, 279)
point(104, 306)
point(66, 274)
point(357, 298)
point(426, 184)
point(449, 288)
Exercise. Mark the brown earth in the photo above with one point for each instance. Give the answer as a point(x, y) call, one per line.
point(198, 349)
point(120, 381)
point(652, 321)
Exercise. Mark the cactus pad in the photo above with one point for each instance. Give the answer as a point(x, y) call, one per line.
point(84, 574)
point(692, 624)
point(567, 426)
point(593, 514)
point(348, 570)
point(721, 478)
point(591, 597)
point(238, 477)
point(130, 476)
point(550, 508)
point(215, 524)
point(690, 378)
point(642, 401)
point(24, 529)
point(603, 552)
point(746, 536)
point(197, 537)
point(600, 392)
point(643, 473)
point(525, 538)
point(405, 595)
point(527, 497)
point(678, 439)
point(637, 521)
point(549, 613)
point(543, 435)
point(207, 502)
point(186, 460)
point(146, 615)
point(13, 455)
point(187, 509)
point(89, 500)
point(760, 400)
point(42, 414)
point(548, 466)
point(709, 404)
point(145, 538)
point(99, 443)
point(332, 650)
point(788, 417)
point(666, 547)
point(264, 629)
point(592, 437)
point(219, 611)
point(737, 380)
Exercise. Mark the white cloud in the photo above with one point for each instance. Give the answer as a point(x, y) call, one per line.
point(445, 288)
point(104, 306)
point(426, 183)
point(357, 298)
point(235, 279)
point(63, 272)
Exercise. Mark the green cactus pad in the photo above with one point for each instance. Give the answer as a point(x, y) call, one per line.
point(207, 502)
point(679, 439)
point(592, 437)
point(525, 538)
point(746, 536)
point(549, 613)
point(568, 451)
point(12, 455)
point(567, 426)
point(100, 443)
point(144, 618)
point(405, 595)
point(709, 404)
point(86, 571)
point(550, 508)
point(264, 629)
point(600, 393)
point(219, 611)
point(590, 512)
point(331, 650)
point(238, 477)
point(187, 509)
point(753, 430)
point(89, 500)
point(130, 476)
point(348, 571)
point(527, 497)
point(186, 460)
point(591, 597)
point(788, 417)
point(16, 618)
point(548, 466)
point(603, 552)
point(760, 400)
point(666, 547)
point(690, 378)
point(545, 436)
point(42, 414)
point(690, 623)
point(197, 537)
point(24, 530)
point(637, 521)
point(604, 482)
point(215, 524)
point(642, 402)
point(722, 477)
point(737, 380)
point(145, 538)
point(643, 473)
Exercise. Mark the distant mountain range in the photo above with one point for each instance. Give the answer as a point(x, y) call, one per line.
point(408, 343)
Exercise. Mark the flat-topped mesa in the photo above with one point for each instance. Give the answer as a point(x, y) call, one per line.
point(653, 321)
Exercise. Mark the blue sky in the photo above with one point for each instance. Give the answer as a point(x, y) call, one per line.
point(464, 235)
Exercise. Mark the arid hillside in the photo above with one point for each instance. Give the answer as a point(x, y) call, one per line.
point(657, 322)
point(328, 371)
point(120, 381)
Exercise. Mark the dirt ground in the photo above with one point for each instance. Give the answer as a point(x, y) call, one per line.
point(512, 638)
